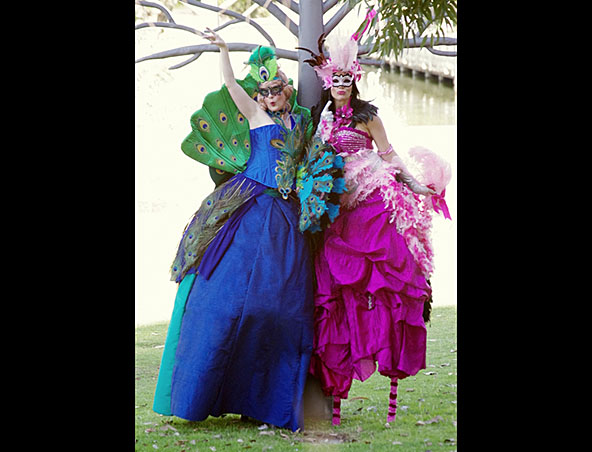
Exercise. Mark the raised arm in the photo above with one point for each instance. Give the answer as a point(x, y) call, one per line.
point(246, 105)
point(386, 151)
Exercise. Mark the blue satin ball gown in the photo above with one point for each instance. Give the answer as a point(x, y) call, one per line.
point(241, 333)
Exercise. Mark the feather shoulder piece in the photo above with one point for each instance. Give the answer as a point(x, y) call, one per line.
point(219, 135)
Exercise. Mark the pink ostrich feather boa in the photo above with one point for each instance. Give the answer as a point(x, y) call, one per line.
point(366, 172)
point(433, 170)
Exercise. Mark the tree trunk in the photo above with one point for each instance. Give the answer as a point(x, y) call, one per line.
point(309, 30)
point(316, 405)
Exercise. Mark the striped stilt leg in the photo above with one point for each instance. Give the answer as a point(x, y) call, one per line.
point(336, 410)
point(392, 409)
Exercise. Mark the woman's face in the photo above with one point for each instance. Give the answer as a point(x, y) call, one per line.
point(342, 86)
point(273, 96)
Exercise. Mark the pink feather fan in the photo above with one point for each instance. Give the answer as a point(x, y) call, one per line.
point(433, 169)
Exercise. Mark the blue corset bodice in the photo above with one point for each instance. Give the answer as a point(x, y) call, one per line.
point(263, 160)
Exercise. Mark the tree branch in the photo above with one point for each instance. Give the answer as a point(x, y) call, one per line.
point(279, 15)
point(328, 4)
point(339, 15)
point(226, 24)
point(371, 61)
point(232, 14)
point(415, 42)
point(167, 25)
point(186, 62)
point(446, 53)
point(290, 4)
point(165, 11)
point(197, 50)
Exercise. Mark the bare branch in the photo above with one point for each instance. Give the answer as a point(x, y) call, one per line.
point(290, 4)
point(327, 5)
point(232, 14)
point(279, 15)
point(226, 24)
point(339, 15)
point(197, 50)
point(371, 61)
point(167, 25)
point(165, 11)
point(446, 53)
point(415, 42)
point(186, 62)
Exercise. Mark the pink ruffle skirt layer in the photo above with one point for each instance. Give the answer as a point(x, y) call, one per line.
point(369, 301)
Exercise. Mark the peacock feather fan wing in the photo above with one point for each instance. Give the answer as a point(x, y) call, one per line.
point(219, 135)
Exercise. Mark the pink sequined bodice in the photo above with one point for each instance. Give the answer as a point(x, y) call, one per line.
point(349, 140)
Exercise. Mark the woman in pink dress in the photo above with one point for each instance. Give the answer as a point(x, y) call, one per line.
point(373, 294)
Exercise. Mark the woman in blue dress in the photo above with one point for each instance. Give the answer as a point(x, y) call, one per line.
point(240, 337)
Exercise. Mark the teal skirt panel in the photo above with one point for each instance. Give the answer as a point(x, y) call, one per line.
point(162, 394)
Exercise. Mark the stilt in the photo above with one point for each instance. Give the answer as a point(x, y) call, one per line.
point(392, 409)
point(336, 410)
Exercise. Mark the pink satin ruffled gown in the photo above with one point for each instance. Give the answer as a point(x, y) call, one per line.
point(371, 273)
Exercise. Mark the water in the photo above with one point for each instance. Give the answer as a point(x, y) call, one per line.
point(170, 186)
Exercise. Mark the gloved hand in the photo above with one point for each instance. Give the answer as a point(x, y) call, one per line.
point(414, 185)
point(325, 123)
point(326, 113)
point(406, 177)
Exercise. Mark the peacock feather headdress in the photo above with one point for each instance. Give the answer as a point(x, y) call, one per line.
point(263, 64)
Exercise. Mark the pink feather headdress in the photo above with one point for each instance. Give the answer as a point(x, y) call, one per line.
point(344, 53)
point(343, 58)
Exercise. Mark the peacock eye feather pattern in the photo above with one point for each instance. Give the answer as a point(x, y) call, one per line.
point(291, 146)
point(320, 182)
point(220, 133)
point(213, 213)
point(263, 64)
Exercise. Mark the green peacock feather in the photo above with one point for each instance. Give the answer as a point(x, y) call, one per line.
point(263, 64)
point(319, 180)
point(292, 147)
point(213, 213)
point(220, 133)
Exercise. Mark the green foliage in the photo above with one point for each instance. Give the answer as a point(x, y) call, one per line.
point(403, 19)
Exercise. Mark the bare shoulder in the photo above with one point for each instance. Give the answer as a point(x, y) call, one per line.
point(259, 118)
point(374, 123)
point(372, 127)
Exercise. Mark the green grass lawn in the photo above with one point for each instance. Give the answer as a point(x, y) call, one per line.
point(426, 414)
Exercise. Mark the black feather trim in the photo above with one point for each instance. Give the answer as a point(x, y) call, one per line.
point(363, 112)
